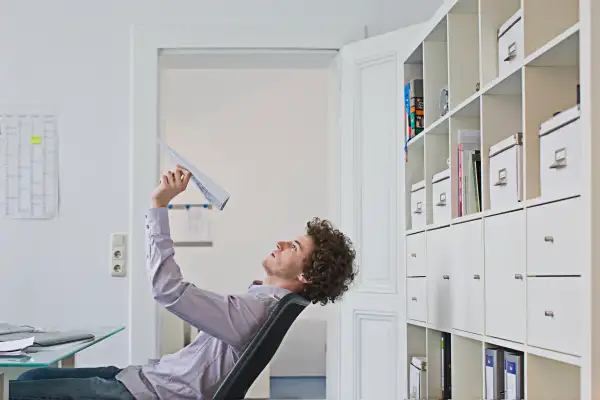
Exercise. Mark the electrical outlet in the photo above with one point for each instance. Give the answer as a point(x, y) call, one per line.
point(118, 255)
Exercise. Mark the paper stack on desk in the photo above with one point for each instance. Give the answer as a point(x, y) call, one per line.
point(15, 348)
point(11, 346)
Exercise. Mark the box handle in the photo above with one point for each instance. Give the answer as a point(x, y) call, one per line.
point(476, 277)
point(419, 208)
point(442, 202)
point(519, 277)
point(548, 239)
point(446, 277)
point(549, 313)
point(501, 178)
point(414, 299)
point(512, 52)
point(560, 159)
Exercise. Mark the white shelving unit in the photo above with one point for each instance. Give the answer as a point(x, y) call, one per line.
point(509, 272)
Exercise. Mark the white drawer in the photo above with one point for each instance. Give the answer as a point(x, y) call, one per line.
point(416, 299)
point(506, 172)
point(555, 239)
point(560, 155)
point(418, 207)
point(510, 44)
point(442, 207)
point(554, 314)
point(415, 255)
point(505, 276)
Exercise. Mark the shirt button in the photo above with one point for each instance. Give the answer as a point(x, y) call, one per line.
point(147, 226)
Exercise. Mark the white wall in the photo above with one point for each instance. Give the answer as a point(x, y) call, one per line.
point(262, 134)
point(74, 55)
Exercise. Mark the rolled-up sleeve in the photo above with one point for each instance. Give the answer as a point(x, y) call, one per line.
point(230, 318)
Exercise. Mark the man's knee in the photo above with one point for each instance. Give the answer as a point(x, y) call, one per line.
point(33, 374)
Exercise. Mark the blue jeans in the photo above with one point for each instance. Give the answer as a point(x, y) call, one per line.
point(69, 384)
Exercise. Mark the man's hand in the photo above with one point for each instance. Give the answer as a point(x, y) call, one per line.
point(171, 184)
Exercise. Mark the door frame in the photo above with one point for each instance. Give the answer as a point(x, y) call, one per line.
point(146, 44)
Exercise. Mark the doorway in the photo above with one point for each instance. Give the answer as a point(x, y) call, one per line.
point(257, 122)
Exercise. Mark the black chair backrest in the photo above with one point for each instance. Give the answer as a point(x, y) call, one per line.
point(261, 348)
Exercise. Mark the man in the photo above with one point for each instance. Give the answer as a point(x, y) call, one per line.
point(318, 265)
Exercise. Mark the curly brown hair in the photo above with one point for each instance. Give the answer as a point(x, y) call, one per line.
point(330, 269)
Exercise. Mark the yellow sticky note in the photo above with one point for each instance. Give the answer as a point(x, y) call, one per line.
point(36, 140)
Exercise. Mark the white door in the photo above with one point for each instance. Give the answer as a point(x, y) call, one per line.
point(371, 355)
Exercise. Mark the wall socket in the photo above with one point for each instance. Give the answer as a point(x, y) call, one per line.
point(118, 254)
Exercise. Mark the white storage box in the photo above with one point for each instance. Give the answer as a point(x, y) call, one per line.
point(418, 378)
point(418, 208)
point(560, 154)
point(506, 172)
point(441, 197)
point(510, 44)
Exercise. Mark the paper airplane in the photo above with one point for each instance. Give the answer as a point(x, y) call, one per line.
point(214, 193)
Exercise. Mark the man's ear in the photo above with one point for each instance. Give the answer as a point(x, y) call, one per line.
point(302, 279)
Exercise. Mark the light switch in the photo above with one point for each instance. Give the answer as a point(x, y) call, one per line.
point(118, 255)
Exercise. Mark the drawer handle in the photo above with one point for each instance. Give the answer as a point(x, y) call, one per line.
point(413, 255)
point(446, 277)
point(519, 276)
point(548, 239)
point(418, 210)
point(414, 299)
point(549, 314)
point(476, 276)
point(512, 52)
point(442, 202)
point(501, 178)
point(560, 159)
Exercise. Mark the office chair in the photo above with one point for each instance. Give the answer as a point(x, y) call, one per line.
point(261, 348)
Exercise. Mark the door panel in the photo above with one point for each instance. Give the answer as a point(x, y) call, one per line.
point(505, 258)
point(440, 278)
point(372, 327)
point(467, 288)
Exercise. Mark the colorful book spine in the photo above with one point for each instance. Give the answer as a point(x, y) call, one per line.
point(414, 107)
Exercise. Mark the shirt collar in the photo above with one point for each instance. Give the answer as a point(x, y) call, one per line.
point(274, 290)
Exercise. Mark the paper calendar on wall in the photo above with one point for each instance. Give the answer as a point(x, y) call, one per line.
point(28, 165)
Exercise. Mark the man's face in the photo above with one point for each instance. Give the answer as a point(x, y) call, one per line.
point(288, 259)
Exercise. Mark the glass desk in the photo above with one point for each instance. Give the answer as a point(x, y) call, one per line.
point(62, 356)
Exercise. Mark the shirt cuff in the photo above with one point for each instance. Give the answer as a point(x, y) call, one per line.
point(157, 221)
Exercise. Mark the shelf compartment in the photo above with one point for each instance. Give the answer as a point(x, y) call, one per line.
point(549, 379)
point(434, 364)
point(547, 90)
point(416, 339)
point(414, 170)
point(502, 116)
point(437, 144)
point(467, 119)
point(493, 14)
point(511, 84)
point(413, 69)
point(498, 362)
point(463, 56)
point(467, 368)
point(435, 71)
point(465, 6)
point(562, 51)
point(544, 20)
